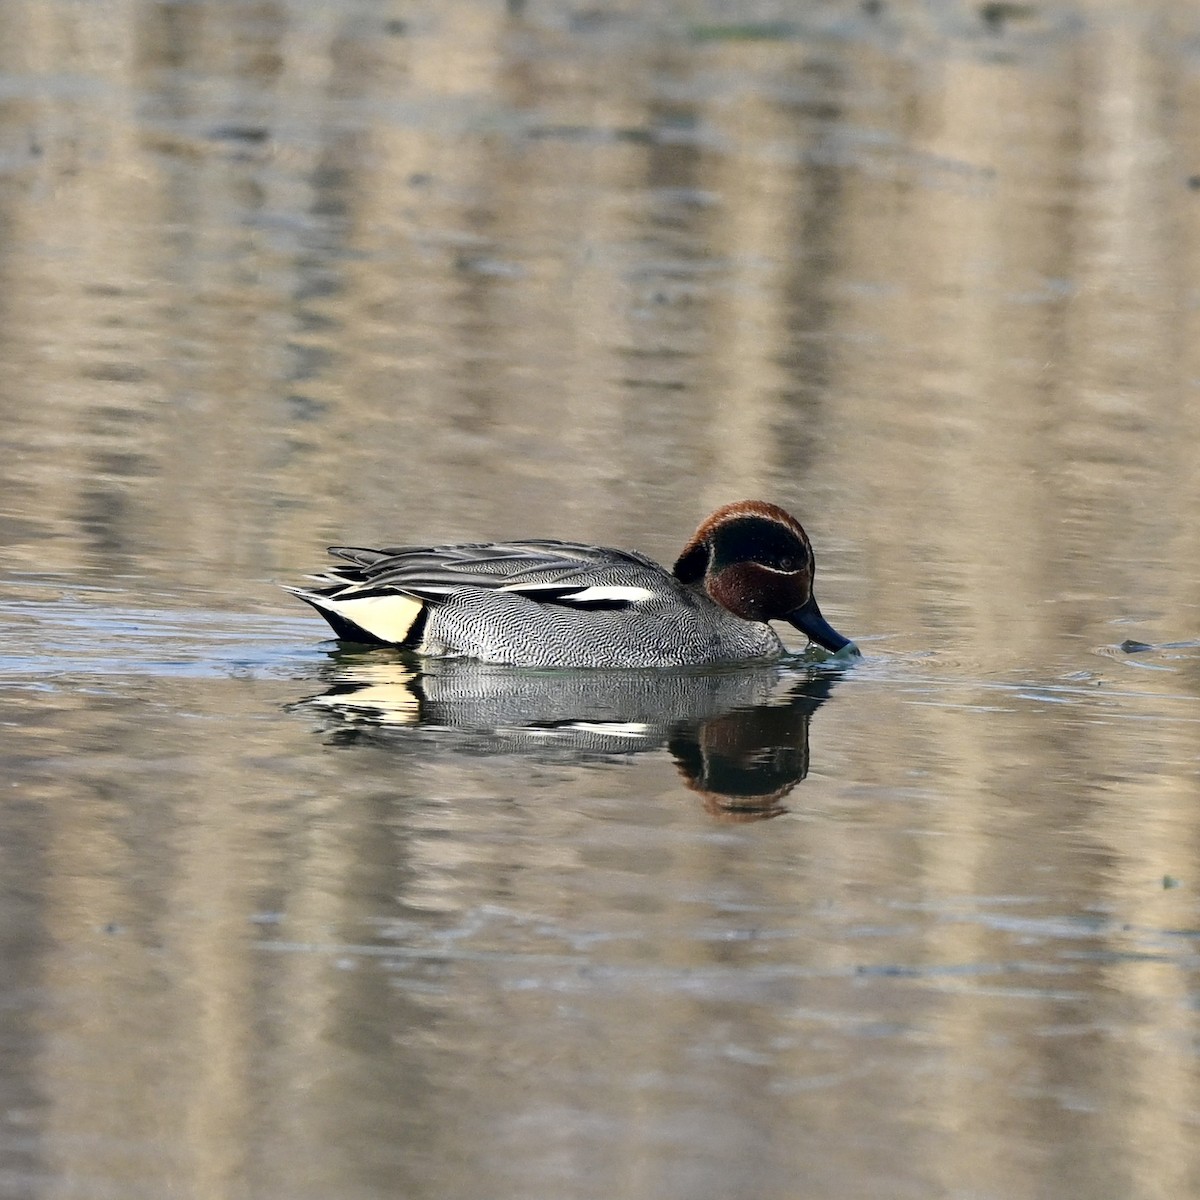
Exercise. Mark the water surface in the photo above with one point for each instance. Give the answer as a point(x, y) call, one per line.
point(279, 919)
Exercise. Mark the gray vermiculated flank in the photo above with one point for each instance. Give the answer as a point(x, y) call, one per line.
point(655, 632)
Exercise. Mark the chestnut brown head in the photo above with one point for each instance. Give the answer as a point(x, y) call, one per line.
point(755, 560)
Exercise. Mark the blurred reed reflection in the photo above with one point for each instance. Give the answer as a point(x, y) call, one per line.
point(354, 273)
point(283, 273)
point(739, 737)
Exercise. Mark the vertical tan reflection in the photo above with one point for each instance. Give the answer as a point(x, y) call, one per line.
point(755, 240)
point(416, 296)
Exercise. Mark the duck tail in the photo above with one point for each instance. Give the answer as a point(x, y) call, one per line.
point(372, 617)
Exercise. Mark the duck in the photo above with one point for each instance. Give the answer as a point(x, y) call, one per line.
point(548, 603)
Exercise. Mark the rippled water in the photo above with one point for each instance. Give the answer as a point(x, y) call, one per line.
point(283, 919)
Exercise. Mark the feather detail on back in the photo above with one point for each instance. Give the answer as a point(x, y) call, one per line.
point(383, 597)
point(511, 566)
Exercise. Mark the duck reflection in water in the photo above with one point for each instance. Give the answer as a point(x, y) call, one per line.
point(739, 736)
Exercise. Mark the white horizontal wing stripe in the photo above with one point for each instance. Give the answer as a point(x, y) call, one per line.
point(628, 593)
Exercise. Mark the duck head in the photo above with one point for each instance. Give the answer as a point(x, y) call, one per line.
point(755, 560)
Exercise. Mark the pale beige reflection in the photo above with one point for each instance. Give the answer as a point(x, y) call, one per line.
point(976, 383)
point(226, 980)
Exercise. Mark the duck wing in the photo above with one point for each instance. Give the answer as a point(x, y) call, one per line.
point(541, 569)
point(384, 596)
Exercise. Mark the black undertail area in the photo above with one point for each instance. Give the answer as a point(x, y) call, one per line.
point(347, 631)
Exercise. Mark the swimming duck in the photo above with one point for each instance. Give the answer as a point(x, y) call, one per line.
point(545, 603)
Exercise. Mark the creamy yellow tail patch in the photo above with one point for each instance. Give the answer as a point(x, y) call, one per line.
point(389, 618)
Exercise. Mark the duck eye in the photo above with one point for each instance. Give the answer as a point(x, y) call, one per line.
point(788, 563)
